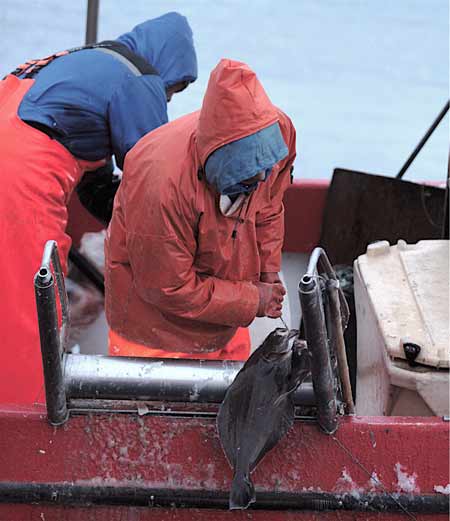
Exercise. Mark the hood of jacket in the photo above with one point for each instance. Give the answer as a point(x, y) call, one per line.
point(235, 106)
point(166, 43)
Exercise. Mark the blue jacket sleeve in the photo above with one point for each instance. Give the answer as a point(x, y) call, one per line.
point(138, 106)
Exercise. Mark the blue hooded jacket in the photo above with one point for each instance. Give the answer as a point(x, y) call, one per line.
point(96, 106)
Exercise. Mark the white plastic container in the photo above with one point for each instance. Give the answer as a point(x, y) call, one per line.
point(402, 297)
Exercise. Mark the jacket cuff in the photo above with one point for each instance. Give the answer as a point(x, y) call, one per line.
point(234, 304)
point(250, 303)
point(270, 265)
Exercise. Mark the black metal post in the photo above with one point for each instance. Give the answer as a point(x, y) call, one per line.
point(422, 142)
point(50, 346)
point(316, 337)
point(445, 224)
point(92, 21)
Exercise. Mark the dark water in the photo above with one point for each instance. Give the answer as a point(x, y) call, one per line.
point(362, 80)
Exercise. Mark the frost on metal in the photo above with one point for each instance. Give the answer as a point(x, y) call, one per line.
point(442, 490)
point(346, 485)
point(406, 482)
point(374, 482)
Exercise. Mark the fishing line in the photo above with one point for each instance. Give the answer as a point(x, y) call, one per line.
point(284, 323)
point(373, 477)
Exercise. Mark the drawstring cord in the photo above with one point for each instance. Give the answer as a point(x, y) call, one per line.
point(239, 220)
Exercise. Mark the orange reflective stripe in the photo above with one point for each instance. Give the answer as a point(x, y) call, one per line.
point(238, 348)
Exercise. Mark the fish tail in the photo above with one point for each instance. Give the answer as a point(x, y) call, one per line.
point(242, 492)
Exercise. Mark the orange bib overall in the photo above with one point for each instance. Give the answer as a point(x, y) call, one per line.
point(238, 348)
point(38, 175)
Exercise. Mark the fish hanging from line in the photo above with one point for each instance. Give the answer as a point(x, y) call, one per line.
point(258, 407)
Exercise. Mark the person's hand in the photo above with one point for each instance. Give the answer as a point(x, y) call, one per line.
point(270, 299)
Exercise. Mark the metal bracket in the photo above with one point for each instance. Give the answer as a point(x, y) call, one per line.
point(325, 315)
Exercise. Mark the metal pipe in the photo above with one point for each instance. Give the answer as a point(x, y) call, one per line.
point(88, 269)
point(50, 346)
point(337, 338)
point(318, 265)
point(422, 142)
point(319, 262)
point(177, 380)
point(316, 337)
point(128, 495)
point(51, 258)
point(92, 21)
point(445, 223)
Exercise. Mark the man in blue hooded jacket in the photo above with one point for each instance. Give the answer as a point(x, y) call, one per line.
point(62, 119)
point(98, 102)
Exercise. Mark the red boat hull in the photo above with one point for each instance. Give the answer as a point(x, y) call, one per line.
point(117, 451)
point(179, 453)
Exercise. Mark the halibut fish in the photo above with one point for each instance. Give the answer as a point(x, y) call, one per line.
point(258, 408)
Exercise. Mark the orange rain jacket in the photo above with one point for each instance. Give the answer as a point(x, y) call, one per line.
point(178, 272)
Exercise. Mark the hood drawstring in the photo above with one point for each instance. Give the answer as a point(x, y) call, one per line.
point(239, 219)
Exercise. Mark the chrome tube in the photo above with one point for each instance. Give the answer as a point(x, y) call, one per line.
point(177, 380)
point(320, 265)
point(316, 337)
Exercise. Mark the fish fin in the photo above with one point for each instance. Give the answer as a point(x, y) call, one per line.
point(287, 393)
point(295, 381)
point(300, 364)
point(242, 493)
point(286, 422)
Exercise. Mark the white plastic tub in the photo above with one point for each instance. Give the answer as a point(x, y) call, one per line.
point(402, 296)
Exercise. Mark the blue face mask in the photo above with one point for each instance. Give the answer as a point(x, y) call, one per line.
point(228, 166)
point(241, 188)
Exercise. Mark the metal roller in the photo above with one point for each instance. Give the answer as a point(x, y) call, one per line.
point(177, 380)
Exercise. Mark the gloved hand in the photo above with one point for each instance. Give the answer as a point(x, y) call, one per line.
point(270, 299)
point(270, 277)
point(96, 192)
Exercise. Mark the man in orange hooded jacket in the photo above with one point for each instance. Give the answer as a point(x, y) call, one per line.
point(193, 250)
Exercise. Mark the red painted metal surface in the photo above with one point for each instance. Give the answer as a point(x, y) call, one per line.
point(170, 452)
point(304, 203)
